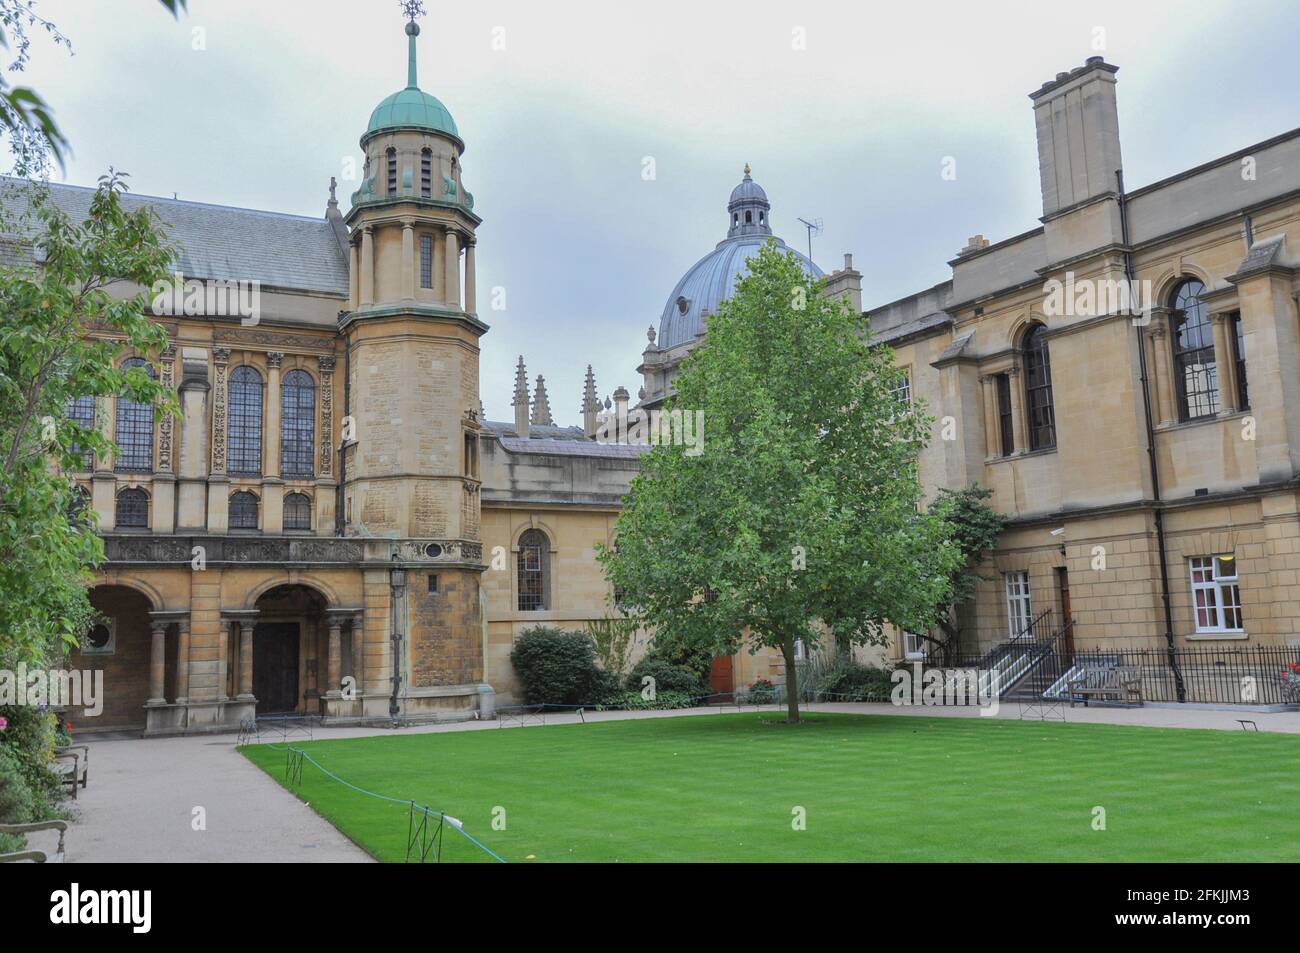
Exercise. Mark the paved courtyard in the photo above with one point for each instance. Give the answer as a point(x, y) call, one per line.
point(140, 805)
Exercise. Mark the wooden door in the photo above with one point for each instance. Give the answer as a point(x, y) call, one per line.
point(721, 678)
point(275, 666)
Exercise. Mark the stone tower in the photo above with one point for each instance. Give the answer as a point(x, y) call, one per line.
point(410, 465)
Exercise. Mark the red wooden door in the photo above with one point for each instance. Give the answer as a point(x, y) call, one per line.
point(721, 678)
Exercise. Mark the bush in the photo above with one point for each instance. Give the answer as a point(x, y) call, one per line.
point(762, 692)
point(849, 681)
point(557, 667)
point(663, 701)
point(668, 677)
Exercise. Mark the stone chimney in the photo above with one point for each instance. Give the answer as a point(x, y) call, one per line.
point(590, 406)
point(521, 399)
point(1077, 125)
point(846, 283)
point(542, 405)
point(974, 244)
point(621, 397)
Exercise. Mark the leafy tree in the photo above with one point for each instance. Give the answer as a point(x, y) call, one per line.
point(47, 361)
point(801, 516)
point(24, 115)
point(974, 527)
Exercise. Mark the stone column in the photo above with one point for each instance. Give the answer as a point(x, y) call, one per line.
point(223, 661)
point(408, 258)
point(325, 398)
point(988, 385)
point(354, 274)
point(453, 269)
point(1019, 425)
point(1162, 371)
point(157, 663)
point(245, 661)
point(471, 283)
point(1225, 367)
point(165, 422)
point(367, 266)
point(335, 668)
point(271, 436)
point(358, 650)
point(183, 662)
point(218, 481)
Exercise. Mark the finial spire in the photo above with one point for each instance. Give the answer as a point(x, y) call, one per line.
point(411, 9)
point(746, 169)
point(542, 405)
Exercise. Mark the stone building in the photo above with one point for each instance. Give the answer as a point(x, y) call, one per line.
point(332, 526)
point(1161, 319)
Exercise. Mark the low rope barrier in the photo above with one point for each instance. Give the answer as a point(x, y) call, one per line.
point(419, 838)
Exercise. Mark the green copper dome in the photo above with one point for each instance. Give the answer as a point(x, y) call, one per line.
point(412, 108)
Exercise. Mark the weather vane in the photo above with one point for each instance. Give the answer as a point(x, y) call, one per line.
point(412, 9)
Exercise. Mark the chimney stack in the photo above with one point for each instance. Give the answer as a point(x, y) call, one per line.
point(846, 282)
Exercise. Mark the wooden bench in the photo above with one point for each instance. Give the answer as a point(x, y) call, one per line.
point(31, 854)
point(73, 763)
point(1121, 683)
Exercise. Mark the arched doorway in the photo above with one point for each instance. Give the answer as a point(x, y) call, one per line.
point(119, 645)
point(286, 649)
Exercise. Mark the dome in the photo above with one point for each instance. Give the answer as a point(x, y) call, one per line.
point(712, 279)
point(412, 108)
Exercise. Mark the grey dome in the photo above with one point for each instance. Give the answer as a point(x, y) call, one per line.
point(712, 279)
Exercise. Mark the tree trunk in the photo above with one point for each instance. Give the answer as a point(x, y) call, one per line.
point(791, 681)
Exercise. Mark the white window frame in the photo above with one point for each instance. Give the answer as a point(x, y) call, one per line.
point(914, 647)
point(902, 391)
point(1209, 575)
point(1020, 610)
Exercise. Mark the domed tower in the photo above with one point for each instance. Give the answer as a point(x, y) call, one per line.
point(708, 283)
point(411, 454)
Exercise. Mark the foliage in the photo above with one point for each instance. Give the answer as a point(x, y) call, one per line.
point(801, 514)
point(974, 527)
point(613, 638)
point(668, 677)
point(850, 681)
point(556, 667)
point(663, 701)
point(24, 115)
point(47, 537)
point(29, 788)
point(762, 692)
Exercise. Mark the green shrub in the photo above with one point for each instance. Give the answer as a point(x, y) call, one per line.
point(663, 701)
point(668, 677)
point(762, 692)
point(846, 680)
point(557, 667)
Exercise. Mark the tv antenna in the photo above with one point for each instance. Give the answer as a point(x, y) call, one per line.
point(814, 228)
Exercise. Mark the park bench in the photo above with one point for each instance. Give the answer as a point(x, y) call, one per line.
point(73, 764)
point(1121, 683)
point(31, 854)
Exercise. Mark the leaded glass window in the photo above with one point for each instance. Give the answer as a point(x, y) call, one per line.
point(132, 508)
point(297, 511)
point(243, 510)
point(1038, 390)
point(298, 425)
point(134, 430)
point(1195, 372)
point(534, 571)
point(244, 427)
point(82, 413)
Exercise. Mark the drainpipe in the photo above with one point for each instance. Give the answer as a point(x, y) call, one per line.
point(397, 598)
point(1152, 457)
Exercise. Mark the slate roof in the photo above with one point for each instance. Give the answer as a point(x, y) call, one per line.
point(231, 244)
point(559, 441)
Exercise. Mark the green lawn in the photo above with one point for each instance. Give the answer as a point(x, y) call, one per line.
point(883, 788)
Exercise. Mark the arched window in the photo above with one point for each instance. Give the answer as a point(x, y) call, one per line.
point(749, 218)
point(534, 571)
point(134, 430)
point(1196, 376)
point(297, 511)
point(298, 425)
point(243, 510)
point(392, 171)
point(426, 173)
point(132, 508)
point(81, 412)
point(1041, 416)
point(244, 436)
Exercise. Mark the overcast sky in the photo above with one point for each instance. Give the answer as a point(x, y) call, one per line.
point(850, 126)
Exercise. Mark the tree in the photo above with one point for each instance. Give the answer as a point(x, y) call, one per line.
point(800, 517)
point(974, 527)
point(24, 115)
point(47, 362)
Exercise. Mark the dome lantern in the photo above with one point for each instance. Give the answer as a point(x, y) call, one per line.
point(748, 208)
